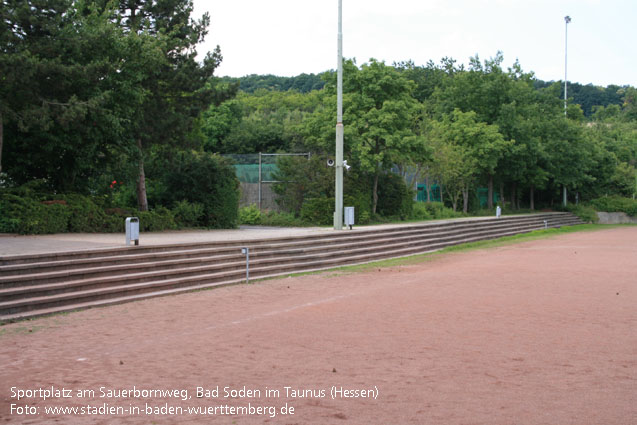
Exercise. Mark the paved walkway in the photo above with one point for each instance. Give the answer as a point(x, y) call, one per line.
point(13, 244)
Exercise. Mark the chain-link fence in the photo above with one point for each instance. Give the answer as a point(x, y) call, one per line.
point(256, 175)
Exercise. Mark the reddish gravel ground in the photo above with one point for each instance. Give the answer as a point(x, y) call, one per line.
point(541, 332)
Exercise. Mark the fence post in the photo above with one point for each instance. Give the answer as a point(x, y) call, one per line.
point(259, 181)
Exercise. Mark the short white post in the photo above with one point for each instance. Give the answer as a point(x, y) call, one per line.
point(246, 251)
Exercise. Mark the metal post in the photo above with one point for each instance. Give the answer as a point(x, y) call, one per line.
point(564, 197)
point(259, 181)
point(567, 20)
point(246, 251)
point(338, 201)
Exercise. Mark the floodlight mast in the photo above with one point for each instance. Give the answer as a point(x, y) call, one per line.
point(338, 201)
point(567, 20)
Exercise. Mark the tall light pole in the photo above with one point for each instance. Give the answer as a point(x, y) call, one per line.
point(567, 20)
point(338, 196)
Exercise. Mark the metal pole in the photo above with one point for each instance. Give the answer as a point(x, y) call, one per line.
point(338, 201)
point(567, 20)
point(564, 196)
point(259, 181)
point(246, 252)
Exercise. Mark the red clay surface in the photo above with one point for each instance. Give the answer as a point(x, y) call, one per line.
point(541, 332)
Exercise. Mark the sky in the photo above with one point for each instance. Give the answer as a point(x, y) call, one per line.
point(291, 37)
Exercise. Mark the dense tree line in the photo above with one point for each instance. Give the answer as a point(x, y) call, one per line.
point(96, 93)
point(303, 83)
point(589, 96)
point(462, 127)
point(91, 89)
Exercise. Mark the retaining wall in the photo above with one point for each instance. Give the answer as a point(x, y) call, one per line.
point(615, 218)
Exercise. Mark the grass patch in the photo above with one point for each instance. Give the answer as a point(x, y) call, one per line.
point(470, 246)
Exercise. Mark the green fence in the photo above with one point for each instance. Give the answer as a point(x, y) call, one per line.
point(434, 193)
point(482, 194)
point(249, 173)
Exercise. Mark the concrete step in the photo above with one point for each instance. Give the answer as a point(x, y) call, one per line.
point(231, 263)
point(86, 268)
point(303, 264)
point(69, 260)
point(133, 252)
point(214, 266)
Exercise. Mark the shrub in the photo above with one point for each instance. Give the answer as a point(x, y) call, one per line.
point(438, 210)
point(282, 219)
point(86, 216)
point(587, 214)
point(160, 218)
point(300, 178)
point(318, 211)
point(249, 215)
point(203, 178)
point(419, 212)
point(362, 207)
point(188, 214)
point(395, 199)
point(30, 216)
point(615, 204)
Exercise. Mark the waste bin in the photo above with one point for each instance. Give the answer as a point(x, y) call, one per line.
point(349, 216)
point(132, 230)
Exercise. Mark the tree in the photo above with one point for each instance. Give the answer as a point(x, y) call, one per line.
point(263, 121)
point(464, 150)
point(379, 113)
point(61, 104)
point(177, 89)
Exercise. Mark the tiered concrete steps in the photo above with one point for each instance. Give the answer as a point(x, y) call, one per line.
point(36, 285)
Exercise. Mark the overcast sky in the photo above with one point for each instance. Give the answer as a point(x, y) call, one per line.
point(290, 37)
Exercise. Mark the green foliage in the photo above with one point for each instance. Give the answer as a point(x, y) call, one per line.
point(394, 198)
point(199, 178)
point(264, 121)
point(318, 211)
point(615, 204)
point(302, 179)
point(420, 212)
point(86, 216)
point(379, 113)
point(437, 210)
point(281, 219)
point(126, 73)
point(156, 220)
point(303, 83)
point(321, 210)
point(361, 203)
point(587, 214)
point(188, 214)
point(249, 215)
point(27, 212)
point(30, 216)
